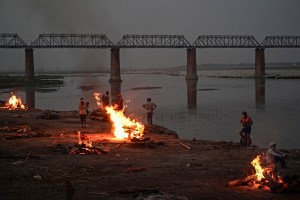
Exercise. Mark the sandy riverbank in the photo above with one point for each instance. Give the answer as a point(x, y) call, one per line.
point(166, 168)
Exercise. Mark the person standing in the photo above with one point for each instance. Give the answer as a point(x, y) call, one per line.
point(119, 103)
point(246, 122)
point(274, 156)
point(150, 107)
point(105, 99)
point(82, 112)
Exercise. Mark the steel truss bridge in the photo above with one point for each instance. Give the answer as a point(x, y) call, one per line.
point(13, 40)
point(8, 40)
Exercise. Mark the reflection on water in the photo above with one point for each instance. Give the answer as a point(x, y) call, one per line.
point(260, 91)
point(30, 97)
point(192, 93)
point(207, 109)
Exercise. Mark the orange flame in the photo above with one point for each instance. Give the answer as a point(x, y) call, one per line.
point(259, 170)
point(15, 103)
point(123, 127)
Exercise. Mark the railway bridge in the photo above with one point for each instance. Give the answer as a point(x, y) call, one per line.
point(13, 40)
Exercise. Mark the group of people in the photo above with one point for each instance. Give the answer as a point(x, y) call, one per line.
point(273, 156)
point(119, 105)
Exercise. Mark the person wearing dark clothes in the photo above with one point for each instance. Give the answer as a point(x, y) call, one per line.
point(119, 102)
point(105, 99)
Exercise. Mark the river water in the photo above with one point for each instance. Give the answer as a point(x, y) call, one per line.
point(209, 108)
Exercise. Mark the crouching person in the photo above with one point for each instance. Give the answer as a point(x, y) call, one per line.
point(273, 156)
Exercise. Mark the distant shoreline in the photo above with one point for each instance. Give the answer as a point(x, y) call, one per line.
point(275, 72)
point(270, 72)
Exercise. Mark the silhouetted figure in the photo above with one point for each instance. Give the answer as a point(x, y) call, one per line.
point(82, 112)
point(150, 107)
point(247, 122)
point(119, 103)
point(105, 99)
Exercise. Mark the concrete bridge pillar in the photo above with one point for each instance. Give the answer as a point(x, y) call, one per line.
point(115, 65)
point(29, 64)
point(259, 62)
point(115, 89)
point(192, 93)
point(191, 67)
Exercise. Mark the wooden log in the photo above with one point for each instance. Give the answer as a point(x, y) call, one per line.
point(186, 146)
point(241, 181)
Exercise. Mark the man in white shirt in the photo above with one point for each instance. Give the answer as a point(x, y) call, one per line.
point(150, 107)
point(273, 156)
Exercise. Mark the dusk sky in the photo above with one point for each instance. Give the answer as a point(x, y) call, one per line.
point(116, 18)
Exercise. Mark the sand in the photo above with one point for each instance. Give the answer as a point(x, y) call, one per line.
point(35, 163)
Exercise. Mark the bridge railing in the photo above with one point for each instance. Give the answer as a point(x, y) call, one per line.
point(281, 42)
point(153, 41)
point(11, 40)
point(226, 41)
point(72, 41)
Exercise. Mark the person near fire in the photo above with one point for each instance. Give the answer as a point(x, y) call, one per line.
point(274, 156)
point(246, 122)
point(105, 99)
point(82, 112)
point(150, 107)
point(119, 103)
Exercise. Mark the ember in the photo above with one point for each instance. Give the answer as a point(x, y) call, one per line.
point(266, 178)
point(123, 127)
point(85, 147)
point(15, 103)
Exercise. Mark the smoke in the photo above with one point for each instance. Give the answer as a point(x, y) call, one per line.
point(116, 18)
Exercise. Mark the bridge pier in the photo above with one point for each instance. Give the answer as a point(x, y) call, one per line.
point(29, 64)
point(191, 67)
point(259, 62)
point(115, 65)
point(192, 93)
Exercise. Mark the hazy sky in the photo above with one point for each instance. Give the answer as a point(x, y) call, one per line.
point(115, 18)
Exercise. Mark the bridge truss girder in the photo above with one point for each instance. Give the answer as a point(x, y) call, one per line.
point(72, 41)
point(11, 40)
point(226, 41)
point(153, 41)
point(281, 41)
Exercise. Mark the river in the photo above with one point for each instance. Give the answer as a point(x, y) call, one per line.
point(209, 108)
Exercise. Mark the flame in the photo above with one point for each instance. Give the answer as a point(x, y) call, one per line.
point(262, 172)
point(98, 100)
point(15, 103)
point(259, 170)
point(85, 141)
point(264, 178)
point(123, 127)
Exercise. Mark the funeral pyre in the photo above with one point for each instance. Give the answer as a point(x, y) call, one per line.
point(85, 147)
point(14, 103)
point(267, 178)
point(122, 127)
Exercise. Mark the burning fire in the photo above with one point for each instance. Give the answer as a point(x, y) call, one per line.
point(123, 127)
point(259, 170)
point(265, 177)
point(15, 103)
point(266, 174)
